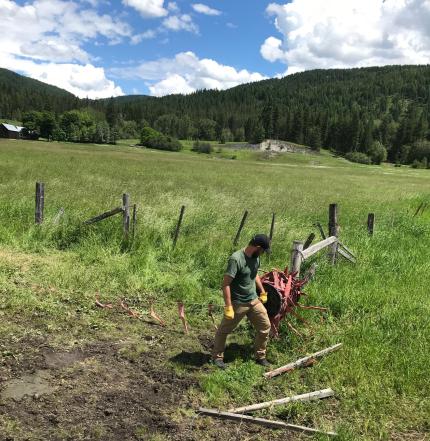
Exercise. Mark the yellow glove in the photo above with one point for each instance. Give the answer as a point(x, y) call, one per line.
point(229, 312)
point(263, 297)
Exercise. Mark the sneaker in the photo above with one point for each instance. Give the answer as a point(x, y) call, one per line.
point(263, 362)
point(219, 363)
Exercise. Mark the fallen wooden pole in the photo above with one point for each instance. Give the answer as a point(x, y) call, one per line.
point(301, 362)
point(261, 421)
point(311, 396)
point(318, 246)
point(346, 255)
point(103, 216)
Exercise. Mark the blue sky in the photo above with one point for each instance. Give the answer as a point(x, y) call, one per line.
point(102, 48)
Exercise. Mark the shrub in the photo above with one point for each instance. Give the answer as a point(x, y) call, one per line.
point(359, 157)
point(156, 140)
point(202, 147)
point(377, 153)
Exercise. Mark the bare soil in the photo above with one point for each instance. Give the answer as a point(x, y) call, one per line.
point(110, 390)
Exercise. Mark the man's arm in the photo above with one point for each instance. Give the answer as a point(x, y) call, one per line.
point(260, 288)
point(226, 289)
point(263, 293)
point(228, 308)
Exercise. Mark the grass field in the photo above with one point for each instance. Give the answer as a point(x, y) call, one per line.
point(49, 276)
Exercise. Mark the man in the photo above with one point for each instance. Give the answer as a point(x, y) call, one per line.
point(240, 285)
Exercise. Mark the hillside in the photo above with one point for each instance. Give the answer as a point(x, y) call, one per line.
point(20, 94)
point(346, 110)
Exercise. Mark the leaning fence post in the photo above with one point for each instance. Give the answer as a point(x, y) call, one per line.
point(178, 226)
point(272, 227)
point(333, 230)
point(309, 241)
point(126, 214)
point(296, 256)
point(40, 202)
point(242, 223)
point(370, 223)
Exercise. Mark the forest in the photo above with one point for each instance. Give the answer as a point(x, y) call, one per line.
point(367, 114)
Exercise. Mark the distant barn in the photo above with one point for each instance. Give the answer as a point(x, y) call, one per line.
point(10, 131)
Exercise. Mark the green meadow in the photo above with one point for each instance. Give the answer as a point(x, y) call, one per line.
point(378, 308)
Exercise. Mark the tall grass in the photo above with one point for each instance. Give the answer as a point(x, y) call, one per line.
point(379, 308)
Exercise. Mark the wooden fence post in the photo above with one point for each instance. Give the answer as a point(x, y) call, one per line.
point(296, 256)
point(134, 219)
point(272, 227)
point(40, 202)
point(333, 230)
point(370, 223)
point(242, 223)
point(126, 214)
point(178, 226)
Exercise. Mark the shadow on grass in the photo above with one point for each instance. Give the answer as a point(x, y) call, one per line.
point(198, 359)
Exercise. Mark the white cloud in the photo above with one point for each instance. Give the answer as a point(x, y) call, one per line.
point(148, 8)
point(204, 9)
point(182, 22)
point(147, 35)
point(35, 36)
point(353, 33)
point(186, 73)
point(81, 80)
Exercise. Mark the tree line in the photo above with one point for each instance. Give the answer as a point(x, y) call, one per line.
point(367, 114)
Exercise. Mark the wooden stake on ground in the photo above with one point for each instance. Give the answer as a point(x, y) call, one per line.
point(370, 223)
point(317, 395)
point(242, 223)
point(333, 230)
point(40, 202)
point(262, 422)
point(301, 362)
point(178, 226)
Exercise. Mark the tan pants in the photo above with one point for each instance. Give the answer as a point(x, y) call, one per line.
point(257, 315)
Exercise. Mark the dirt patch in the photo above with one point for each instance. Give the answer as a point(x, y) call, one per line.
point(125, 390)
point(29, 385)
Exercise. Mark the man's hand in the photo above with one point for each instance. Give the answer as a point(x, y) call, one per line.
point(229, 312)
point(263, 296)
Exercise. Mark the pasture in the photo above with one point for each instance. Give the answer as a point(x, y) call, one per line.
point(132, 379)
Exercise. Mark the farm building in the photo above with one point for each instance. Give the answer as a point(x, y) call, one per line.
point(10, 131)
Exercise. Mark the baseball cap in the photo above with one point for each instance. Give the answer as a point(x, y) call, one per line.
point(261, 240)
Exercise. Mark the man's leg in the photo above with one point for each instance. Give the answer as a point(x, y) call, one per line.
point(226, 327)
point(260, 320)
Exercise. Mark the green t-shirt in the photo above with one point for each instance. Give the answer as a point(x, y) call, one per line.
point(243, 269)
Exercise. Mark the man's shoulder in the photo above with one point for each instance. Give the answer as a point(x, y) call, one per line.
point(237, 256)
